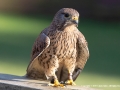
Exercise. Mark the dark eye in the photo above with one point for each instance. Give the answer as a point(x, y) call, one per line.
point(66, 15)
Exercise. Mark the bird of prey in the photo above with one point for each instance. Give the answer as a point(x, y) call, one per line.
point(60, 52)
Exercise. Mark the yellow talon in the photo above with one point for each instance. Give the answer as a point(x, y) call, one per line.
point(70, 82)
point(56, 84)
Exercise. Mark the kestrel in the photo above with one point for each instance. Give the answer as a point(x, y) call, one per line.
point(60, 52)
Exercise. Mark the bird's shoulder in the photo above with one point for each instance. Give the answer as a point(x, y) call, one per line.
point(41, 42)
point(80, 37)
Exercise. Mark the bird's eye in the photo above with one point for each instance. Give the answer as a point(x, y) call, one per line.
point(66, 15)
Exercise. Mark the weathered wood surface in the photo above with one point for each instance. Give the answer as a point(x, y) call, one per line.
point(12, 82)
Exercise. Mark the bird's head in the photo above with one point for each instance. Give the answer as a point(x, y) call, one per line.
point(65, 17)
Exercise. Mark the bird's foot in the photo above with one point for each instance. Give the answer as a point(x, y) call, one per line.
point(70, 82)
point(56, 84)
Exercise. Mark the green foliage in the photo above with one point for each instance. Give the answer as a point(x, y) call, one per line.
point(18, 33)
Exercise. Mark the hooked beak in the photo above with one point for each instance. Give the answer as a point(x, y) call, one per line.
point(75, 20)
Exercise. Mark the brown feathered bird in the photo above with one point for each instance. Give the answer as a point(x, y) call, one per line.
point(60, 51)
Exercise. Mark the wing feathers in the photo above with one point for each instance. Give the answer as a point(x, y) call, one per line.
point(39, 46)
point(82, 51)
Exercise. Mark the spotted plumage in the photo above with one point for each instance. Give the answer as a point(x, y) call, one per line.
point(60, 51)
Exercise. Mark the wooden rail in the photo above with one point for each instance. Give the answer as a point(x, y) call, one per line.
point(13, 82)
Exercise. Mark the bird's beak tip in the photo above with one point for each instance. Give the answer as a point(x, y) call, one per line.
point(75, 20)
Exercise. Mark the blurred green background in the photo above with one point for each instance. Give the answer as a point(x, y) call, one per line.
point(21, 21)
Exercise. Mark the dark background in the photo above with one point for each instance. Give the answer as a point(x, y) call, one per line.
point(21, 21)
point(100, 9)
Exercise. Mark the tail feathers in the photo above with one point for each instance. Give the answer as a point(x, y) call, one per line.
point(76, 73)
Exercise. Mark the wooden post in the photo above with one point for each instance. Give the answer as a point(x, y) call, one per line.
point(12, 82)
